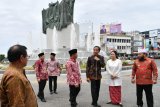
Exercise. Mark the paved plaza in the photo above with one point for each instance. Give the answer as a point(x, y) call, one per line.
point(84, 97)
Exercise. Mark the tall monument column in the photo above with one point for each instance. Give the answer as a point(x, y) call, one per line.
point(65, 39)
point(49, 38)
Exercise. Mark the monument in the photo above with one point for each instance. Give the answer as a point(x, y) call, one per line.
point(58, 25)
point(62, 33)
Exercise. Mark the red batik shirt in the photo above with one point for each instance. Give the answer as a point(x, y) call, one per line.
point(53, 68)
point(73, 72)
point(145, 71)
point(41, 70)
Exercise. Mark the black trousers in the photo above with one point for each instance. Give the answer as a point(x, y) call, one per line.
point(148, 92)
point(42, 85)
point(73, 93)
point(95, 88)
point(51, 80)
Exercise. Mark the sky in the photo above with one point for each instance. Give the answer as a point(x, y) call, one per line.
point(21, 20)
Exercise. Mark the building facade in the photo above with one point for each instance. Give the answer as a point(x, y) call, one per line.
point(136, 41)
point(121, 43)
point(151, 39)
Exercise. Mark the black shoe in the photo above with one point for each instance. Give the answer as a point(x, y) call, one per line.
point(109, 102)
point(43, 100)
point(96, 105)
point(51, 92)
point(39, 96)
point(55, 92)
point(93, 103)
point(120, 105)
point(140, 106)
point(74, 104)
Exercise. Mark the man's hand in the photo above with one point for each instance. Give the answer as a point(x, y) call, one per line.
point(133, 81)
point(88, 80)
point(77, 86)
point(96, 58)
point(113, 77)
point(154, 81)
point(60, 69)
point(38, 80)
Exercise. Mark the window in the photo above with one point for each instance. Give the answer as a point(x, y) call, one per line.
point(111, 40)
point(129, 41)
point(118, 40)
point(114, 40)
point(117, 47)
point(122, 40)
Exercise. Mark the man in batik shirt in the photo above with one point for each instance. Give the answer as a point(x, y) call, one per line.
point(93, 73)
point(144, 74)
point(15, 88)
point(54, 71)
point(42, 75)
point(73, 76)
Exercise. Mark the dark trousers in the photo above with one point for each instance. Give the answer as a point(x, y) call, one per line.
point(51, 80)
point(42, 85)
point(73, 93)
point(95, 88)
point(148, 92)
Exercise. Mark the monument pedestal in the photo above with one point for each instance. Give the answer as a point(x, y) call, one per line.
point(67, 38)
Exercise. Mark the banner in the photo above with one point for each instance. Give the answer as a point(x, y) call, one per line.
point(103, 29)
point(115, 28)
point(153, 33)
point(108, 28)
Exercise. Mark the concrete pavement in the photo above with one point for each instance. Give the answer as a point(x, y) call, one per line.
point(84, 97)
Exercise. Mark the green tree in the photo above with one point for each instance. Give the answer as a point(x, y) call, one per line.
point(2, 56)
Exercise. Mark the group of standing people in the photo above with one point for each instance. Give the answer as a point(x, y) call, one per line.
point(47, 70)
point(93, 73)
point(144, 74)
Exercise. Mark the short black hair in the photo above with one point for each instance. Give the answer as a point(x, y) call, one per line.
point(73, 51)
point(40, 54)
point(15, 52)
point(98, 48)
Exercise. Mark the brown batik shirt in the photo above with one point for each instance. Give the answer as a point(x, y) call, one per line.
point(16, 90)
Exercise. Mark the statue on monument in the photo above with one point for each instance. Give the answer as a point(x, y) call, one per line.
point(58, 14)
